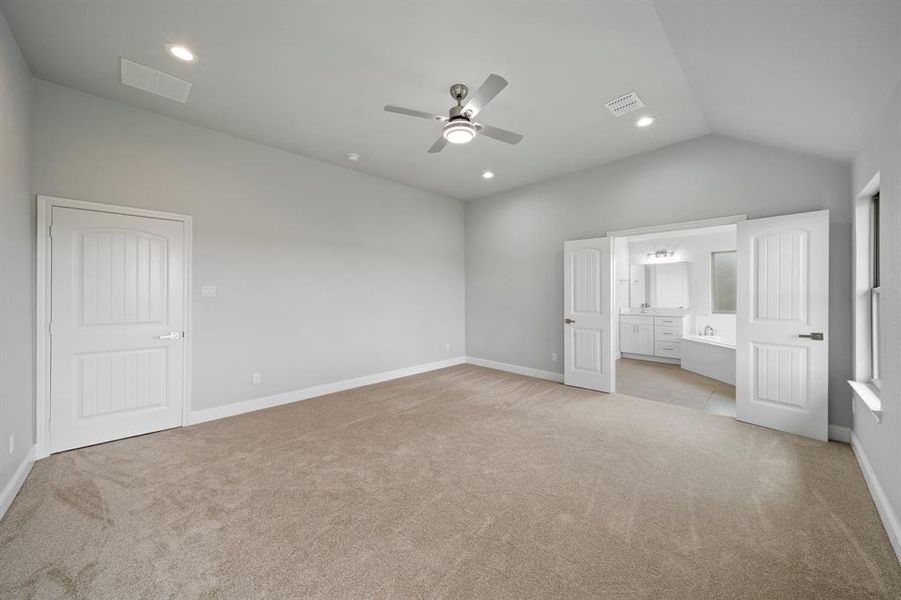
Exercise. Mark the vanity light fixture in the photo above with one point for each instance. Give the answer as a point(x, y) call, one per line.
point(657, 254)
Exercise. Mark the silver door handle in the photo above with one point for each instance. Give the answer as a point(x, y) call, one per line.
point(568, 321)
point(814, 336)
point(170, 336)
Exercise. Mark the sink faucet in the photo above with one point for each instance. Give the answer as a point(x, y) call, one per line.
point(708, 330)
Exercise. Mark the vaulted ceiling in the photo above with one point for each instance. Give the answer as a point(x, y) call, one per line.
point(312, 78)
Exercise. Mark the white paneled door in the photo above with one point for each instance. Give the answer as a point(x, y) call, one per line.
point(588, 319)
point(782, 352)
point(117, 328)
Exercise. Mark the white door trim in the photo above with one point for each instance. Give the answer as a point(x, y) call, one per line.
point(42, 304)
point(699, 224)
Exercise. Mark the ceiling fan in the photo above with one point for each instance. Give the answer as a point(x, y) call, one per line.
point(459, 128)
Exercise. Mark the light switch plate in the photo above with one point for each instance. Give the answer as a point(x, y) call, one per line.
point(208, 291)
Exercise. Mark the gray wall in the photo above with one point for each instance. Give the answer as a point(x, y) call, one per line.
point(322, 274)
point(514, 241)
point(16, 258)
point(881, 442)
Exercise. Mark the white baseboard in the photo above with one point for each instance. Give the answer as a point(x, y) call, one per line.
point(883, 507)
point(237, 408)
point(13, 486)
point(837, 433)
point(528, 371)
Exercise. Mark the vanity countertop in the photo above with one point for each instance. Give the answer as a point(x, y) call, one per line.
point(654, 313)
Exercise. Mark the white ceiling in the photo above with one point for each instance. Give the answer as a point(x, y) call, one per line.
point(808, 76)
point(312, 78)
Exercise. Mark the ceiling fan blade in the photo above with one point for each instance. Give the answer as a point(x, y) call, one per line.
point(499, 134)
point(489, 89)
point(438, 146)
point(414, 113)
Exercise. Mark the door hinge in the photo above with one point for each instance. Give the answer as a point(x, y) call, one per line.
point(50, 231)
point(50, 328)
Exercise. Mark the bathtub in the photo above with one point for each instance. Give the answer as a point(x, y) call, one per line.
point(716, 340)
point(710, 355)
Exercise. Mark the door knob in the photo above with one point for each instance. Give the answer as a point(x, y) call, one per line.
point(814, 336)
point(170, 336)
point(568, 320)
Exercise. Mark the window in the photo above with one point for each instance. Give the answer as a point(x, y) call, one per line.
point(723, 280)
point(874, 291)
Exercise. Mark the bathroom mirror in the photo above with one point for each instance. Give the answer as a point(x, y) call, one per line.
point(661, 285)
point(723, 282)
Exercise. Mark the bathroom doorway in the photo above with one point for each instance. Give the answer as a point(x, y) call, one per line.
point(675, 325)
point(748, 307)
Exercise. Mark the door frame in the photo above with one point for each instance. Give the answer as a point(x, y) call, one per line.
point(45, 205)
point(662, 228)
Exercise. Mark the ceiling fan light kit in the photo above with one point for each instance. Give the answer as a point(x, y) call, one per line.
point(459, 131)
point(459, 127)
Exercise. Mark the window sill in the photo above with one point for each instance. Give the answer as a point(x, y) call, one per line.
point(869, 395)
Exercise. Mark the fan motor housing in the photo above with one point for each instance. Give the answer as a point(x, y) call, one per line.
point(458, 91)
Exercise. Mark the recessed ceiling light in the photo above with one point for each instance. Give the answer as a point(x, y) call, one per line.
point(352, 156)
point(181, 52)
point(487, 175)
point(645, 121)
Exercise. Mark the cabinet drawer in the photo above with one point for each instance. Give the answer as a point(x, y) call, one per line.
point(667, 334)
point(668, 349)
point(668, 321)
point(636, 319)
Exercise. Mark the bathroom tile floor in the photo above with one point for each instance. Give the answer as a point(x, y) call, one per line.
point(671, 385)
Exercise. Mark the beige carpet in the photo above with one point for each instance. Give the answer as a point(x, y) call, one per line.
point(461, 483)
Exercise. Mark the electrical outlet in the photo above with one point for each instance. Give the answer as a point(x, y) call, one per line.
point(447, 345)
point(208, 291)
point(257, 378)
point(12, 443)
point(554, 356)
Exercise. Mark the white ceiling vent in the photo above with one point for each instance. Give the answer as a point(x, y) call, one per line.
point(155, 82)
point(624, 104)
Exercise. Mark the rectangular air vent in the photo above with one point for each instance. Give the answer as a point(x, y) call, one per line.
point(155, 82)
point(624, 104)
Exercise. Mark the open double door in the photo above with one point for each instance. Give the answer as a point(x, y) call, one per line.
point(782, 317)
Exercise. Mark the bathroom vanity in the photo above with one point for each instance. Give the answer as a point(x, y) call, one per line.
point(652, 336)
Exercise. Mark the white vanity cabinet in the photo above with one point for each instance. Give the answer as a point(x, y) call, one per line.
point(650, 336)
point(636, 334)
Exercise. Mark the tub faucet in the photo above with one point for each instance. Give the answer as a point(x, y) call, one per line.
point(708, 330)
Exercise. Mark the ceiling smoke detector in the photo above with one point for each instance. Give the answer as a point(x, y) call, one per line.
point(625, 104)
